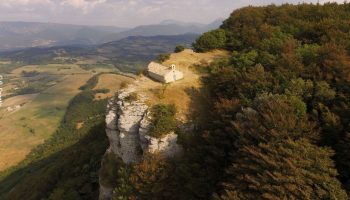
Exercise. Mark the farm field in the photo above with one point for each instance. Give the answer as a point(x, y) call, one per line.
point(39, 117)
point(26, 120)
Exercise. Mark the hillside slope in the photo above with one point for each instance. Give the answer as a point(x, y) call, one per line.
point(276, 114)
point(128, 54)
point(19, 35)
point(273, 124)
point(130, 115)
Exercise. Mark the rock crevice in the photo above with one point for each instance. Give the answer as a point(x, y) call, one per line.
point(128, 122)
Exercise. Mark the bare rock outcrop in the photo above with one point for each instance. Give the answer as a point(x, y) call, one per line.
point(166, 145)
point(128, 122)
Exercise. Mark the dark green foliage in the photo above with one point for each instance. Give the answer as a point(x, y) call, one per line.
point(97, 65)
point(124, 189)
point(286, 170)
point(131, 97)
point(30, 73)
point(277, 116)
point(31, 89)
point(66, 165)
point(163, 120)
point(211, 40)
point(163, 57)
point(7, 68)
point(274, 160)
point(179, 48)
point(35, 83)
point(104, 91)
point(91, 83)
point(275, 110)
point(109, 170)
point(282, 98)
point(343, 160)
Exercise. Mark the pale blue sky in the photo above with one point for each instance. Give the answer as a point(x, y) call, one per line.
point(125, 13)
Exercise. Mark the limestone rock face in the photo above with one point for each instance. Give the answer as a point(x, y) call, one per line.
point(122, 126)
point(166, 145)
point(128, 122)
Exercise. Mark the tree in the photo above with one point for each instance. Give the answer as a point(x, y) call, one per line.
point(163, 120)
point(211, 40)
point(343, 159)
point(163, 57)
point(179, 48)
point(276, 158)
point(284, 170)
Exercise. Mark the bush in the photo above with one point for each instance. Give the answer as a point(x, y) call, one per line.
point(103, 91)
point(30, 73)
point(132, 97)
point(109, 170)
point(163, 119)
point(210, 40)
point(123, 85)
point(179, 48)
point(91, 83)
point(163, 57)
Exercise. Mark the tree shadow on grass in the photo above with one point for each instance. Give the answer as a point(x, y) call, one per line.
point(200, 106)
point(71, 173)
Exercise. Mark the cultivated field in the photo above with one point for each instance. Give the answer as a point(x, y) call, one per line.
point(28, 126)
point(27, 120)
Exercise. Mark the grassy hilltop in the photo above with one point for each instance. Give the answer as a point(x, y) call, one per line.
point(274, 123)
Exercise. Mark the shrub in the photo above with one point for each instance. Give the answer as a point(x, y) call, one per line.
point(109, 170)
point(140, 72)
point(103, 91)
point(132, 97)
point(210, 40)
point(30, 73)
point(163, 119)
point(163, 57)
point(179, 48)
point(123, 85)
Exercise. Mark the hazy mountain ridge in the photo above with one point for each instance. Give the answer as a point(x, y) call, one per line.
point(20, 35)
point(17, 35)
point(167, 27)
point(125, 52)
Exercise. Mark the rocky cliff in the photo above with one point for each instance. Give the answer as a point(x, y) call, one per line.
point(128, 121)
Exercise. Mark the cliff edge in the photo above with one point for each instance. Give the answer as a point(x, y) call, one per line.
point(129, 114)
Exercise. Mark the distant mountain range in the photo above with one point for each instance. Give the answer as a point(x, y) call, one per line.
point(20, 35)
point(127, 54)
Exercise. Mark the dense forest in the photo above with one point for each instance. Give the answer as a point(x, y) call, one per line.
point(277, 124)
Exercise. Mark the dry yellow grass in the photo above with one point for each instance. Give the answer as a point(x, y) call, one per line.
point(61, 69)
point(79, 125)
point(41, 114)
point(2, 62)
point(181, 93)
point(7, 89)
point(19, 100)
point(112, 82)
point(36, 120)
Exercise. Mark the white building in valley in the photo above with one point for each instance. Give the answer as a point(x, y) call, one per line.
point(164, 74)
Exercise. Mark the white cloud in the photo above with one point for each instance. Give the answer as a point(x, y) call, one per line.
point(11, 3)
point(125, 12)
point(84, 5)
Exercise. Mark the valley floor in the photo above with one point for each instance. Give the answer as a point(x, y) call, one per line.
point(28, 120)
